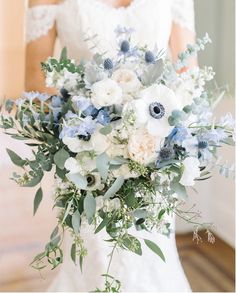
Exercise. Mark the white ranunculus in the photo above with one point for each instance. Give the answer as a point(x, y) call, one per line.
point(152, 110)
point(106, 93)
point(142, 146)
point(191, 171)
point(127, 80)
point(72, 165)
point(124, 171)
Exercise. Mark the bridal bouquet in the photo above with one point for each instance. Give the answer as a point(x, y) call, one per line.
point(125, 137)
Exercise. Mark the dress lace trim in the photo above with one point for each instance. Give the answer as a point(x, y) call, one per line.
point(183, 13)
point(40, 19)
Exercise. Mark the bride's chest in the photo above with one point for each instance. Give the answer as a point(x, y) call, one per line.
point(84, 24)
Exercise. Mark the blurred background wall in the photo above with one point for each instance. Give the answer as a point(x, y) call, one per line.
point(216, 197)
point(12, 47)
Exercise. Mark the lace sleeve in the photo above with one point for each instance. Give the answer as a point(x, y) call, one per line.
point(183, 13)
point(40, 19)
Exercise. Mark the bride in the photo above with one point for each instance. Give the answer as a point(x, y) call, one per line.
point(169, 24)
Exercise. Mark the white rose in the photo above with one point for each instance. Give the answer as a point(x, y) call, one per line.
point(127, 80)
point(191, 171)
point(72, 165)
point(106, 93)
point(142, 146)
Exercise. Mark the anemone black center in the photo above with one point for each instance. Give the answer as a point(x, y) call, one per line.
point(157, 110)
point(90, 180)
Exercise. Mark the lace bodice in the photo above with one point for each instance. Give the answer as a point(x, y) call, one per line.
point(78, 20)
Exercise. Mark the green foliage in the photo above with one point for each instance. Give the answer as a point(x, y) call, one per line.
point(102, 164)
point(155, 248)
point(16, 159)
point(115, 187)
point(37, 200)
point(89, 206)
point(60, 157)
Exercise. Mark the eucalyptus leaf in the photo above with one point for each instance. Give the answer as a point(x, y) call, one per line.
point(103, 224)
point(179, 189)
point(63, 54)
point(102, 164)
point(139, 213)
point(115, 187)
point(15, 158)
point(89, 206)
point(133, 244)
point(73, 252)
point(106, 130)
point(152, 73)
point(35, 180)
point(60, 157)
point(79, 180)
point(37, 199)
point(155, 248)
point(76, 222)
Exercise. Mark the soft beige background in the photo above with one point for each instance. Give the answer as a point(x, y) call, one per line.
point(216, 197)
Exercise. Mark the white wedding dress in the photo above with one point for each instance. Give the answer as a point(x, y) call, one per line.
point(75, 21)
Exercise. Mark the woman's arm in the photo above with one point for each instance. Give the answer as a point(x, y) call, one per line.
point(179, 39)
point(183, 29)
point(39, 50)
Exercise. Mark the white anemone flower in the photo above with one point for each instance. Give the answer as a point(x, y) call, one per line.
point(153, 108)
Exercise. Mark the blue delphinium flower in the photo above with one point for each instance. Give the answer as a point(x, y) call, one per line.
point(80, 103)
point(227, 121)
point(178, 135)
point(91, 111)
point(120, 30)
point(78, 127)
point(68, 131)
point(30, 96)
point(87, 127)
point(43, 97)
point(70, 115)
point(56, 102)
point(103, 117)
point(149, 57)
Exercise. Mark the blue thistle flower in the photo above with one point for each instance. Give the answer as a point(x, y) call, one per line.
point(108, 64)
point(125, 46)
point(203, 144)
point(166, 153)
point(149, 57)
